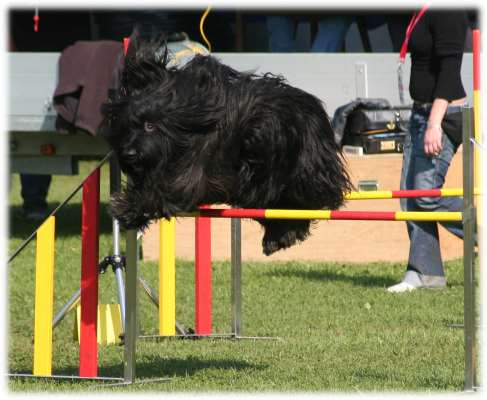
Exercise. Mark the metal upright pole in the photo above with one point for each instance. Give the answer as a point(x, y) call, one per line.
point(130, 337)
point(236, 243)
point(115, 184)
point(72, 302)
point(154, 297)
point(469, 311)
point(116, 260)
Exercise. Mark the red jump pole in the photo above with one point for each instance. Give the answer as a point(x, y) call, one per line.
point(203, 312)
point(476, 58)
point(88, 351)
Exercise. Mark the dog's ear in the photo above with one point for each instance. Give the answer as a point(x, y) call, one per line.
point(145, 62)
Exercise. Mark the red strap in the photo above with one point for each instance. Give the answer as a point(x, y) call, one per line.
point(414, 21)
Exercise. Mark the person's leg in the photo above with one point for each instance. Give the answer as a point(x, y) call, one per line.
point(425, 266)
point(331, 34)
point(281, 34)
point(34, 189)
point(432, 176)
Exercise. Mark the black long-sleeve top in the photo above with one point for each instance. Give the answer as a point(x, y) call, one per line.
point(436, 45)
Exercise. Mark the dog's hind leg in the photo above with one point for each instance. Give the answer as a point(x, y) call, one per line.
point(281, 234)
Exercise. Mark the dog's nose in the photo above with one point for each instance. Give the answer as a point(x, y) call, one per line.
point(128, 155)
point(129, 152)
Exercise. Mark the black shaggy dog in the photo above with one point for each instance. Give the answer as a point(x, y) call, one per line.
point(207, 134)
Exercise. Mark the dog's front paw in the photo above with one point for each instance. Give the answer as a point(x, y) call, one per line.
point(129, 214)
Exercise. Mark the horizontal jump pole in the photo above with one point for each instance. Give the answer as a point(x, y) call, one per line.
point(400, 194)
point(326, 214)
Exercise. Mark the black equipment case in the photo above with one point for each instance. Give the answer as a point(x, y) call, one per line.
point(377, 130)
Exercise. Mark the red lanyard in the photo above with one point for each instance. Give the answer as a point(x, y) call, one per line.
point(409, 30)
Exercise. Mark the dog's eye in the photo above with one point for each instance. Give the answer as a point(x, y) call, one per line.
point(148, 127)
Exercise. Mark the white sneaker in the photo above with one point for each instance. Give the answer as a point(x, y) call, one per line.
point(401, 287)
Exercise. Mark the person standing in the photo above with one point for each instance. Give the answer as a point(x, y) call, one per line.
point(436, 43)
point(330, 36)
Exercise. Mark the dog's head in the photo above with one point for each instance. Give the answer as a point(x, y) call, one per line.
point(160, 113)
point(133, 124)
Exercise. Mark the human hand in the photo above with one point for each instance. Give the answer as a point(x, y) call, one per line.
point(432, 140)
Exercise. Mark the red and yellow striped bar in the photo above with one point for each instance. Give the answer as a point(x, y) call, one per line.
point(398, 194)
point(361, 195)
point(329, 215)
point(167, 277)
point(44, 298)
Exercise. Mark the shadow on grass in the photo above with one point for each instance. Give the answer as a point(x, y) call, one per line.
point(158, 367)
point(68, 221)
point(365, 280)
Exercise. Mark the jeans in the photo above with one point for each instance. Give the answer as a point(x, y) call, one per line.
point(281, 34)
point(329, 38)
point(34, 190)
point(420, 171)
point(331, 34)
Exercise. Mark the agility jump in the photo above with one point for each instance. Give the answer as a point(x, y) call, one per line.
point(45, 262)
point(45, 235)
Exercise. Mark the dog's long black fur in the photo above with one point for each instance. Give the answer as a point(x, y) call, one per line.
point(207, 134)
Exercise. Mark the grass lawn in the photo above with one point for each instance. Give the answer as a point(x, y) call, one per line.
point(338, 329)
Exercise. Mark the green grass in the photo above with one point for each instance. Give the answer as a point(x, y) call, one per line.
point(338, 329)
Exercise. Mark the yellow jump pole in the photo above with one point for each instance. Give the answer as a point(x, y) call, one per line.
point(476, 113)
point(167, 277)
point(44, 297)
